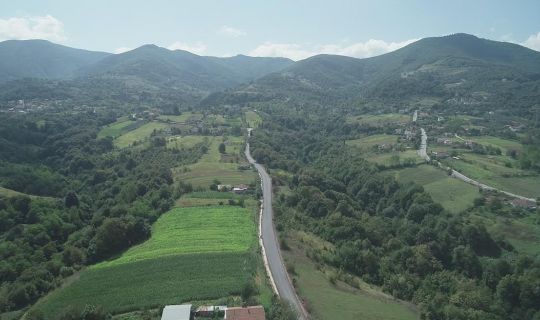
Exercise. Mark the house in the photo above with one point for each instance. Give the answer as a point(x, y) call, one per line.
point(523, 203)
point(176, 312)
point(208, 311)
point(224, 187)
point(408, 134)
point(241, 188)
point(248, 313)
point(444, 141)
point(384, 147)
point(440, 155)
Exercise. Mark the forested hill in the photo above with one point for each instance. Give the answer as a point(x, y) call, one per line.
point(160, 66)
point(42, 59)
point(458, 65)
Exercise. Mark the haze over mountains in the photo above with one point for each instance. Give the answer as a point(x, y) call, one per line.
point(456, 65)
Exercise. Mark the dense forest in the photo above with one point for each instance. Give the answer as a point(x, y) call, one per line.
point(391, 235)
point(81, 200)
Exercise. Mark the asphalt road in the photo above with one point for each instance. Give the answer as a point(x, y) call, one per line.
point(422, 152)
point(269, 239)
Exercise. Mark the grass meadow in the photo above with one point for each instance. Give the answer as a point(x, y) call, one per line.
point(185, 141)
point(340, 300)
point(491, 170)
point(373, 140)
point(453, 194)
point(139, 134)
point(253, 119)
point(210, 167)
point(380, 119)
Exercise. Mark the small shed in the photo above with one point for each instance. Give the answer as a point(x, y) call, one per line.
point(176, 312)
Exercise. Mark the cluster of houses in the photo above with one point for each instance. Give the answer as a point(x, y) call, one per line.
point(186, 312)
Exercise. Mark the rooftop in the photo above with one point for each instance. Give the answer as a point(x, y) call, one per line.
point(176, 312)
point(248, 313)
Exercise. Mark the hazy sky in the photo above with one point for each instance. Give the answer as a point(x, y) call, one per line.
point(295, 29)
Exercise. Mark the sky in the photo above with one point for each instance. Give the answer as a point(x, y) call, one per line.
point(294, 29)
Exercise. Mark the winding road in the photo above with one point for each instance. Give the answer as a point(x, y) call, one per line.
point(271, 251)
point(422, 152)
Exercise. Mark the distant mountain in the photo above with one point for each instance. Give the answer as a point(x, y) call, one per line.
point(148, 65)
point(249, 68)
point(459, 65)
point(42, 59)
point(183, 69)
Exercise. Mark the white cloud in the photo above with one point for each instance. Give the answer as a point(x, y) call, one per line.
point(533, 42)
point(231, 32)
point(122, 50)
point(288, 50)
point(38, 27)
point(294, 51)
point(196, 48)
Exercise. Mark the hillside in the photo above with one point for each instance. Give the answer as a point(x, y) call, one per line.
point(180, 68)
point(458, 65)
point(42, 59)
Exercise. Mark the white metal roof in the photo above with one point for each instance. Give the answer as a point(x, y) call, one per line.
point(176, 312)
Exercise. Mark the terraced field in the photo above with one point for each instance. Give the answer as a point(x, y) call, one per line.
point(194, 254)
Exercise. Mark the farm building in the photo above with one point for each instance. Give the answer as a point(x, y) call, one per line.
point(177, 312)
point(241, 188)
point(248, 313)
point(209, 311)
point(522, 203)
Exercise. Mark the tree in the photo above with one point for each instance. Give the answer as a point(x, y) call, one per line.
point(221, 148)
point(71, 200)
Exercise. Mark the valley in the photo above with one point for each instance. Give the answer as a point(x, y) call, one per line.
point(327, 188)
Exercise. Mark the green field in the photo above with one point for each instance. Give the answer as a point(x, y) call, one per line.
point(453, 194)
point(523, 232)
point(253, 119)
point(386, 157)
point(373, 140)
point(194, 254)
point(154, 282)
point(139, 134)
point(193, 230)
point(185, 116)
point(115, 129)
point(210, 167)
point(185, 141)
point(503, 144)
point(326, 301)
point(380, 119)
point(491, 170)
